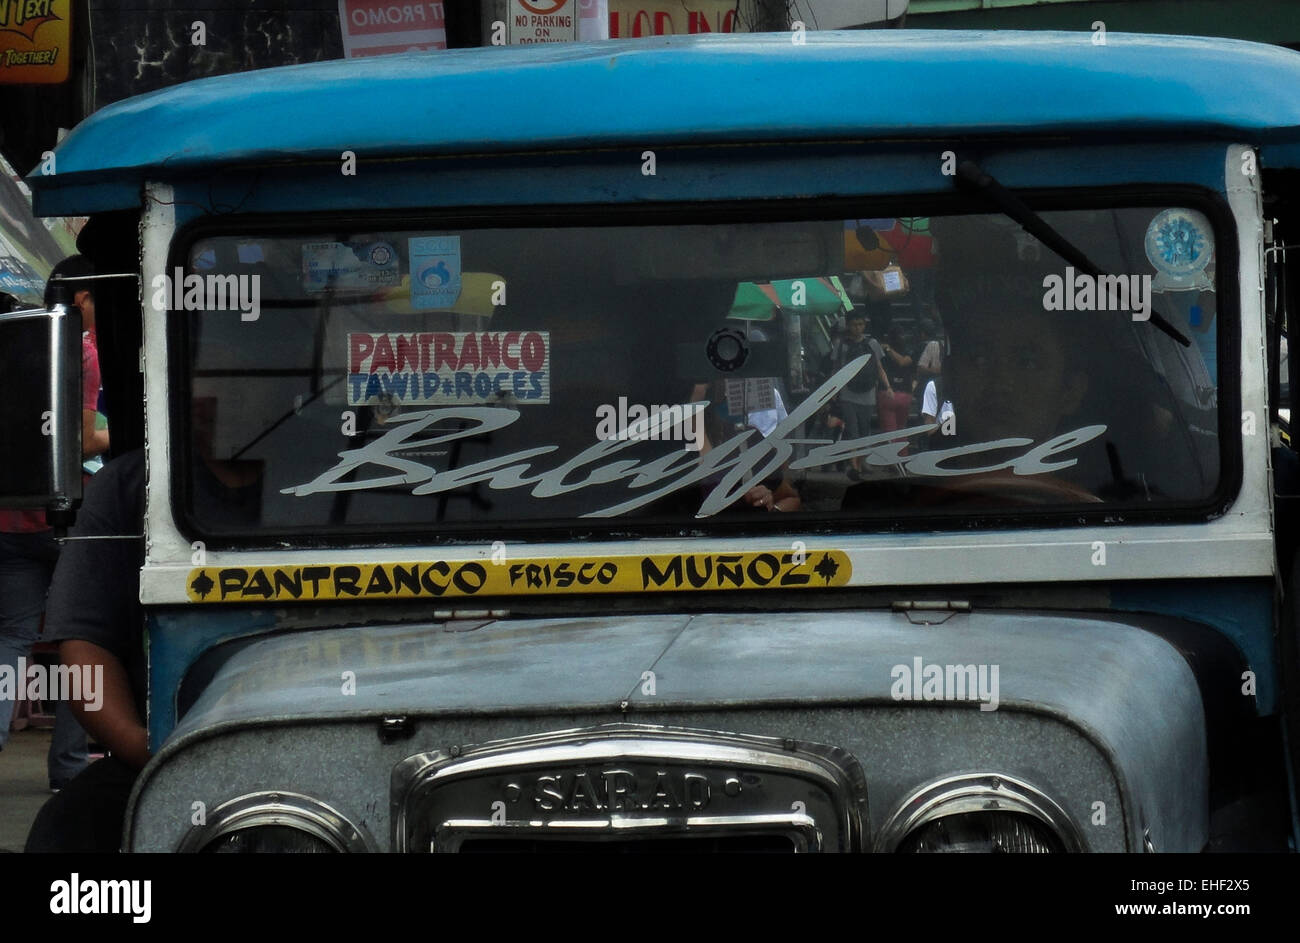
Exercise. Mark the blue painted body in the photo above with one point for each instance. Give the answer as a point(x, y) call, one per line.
point(683, 90)
point(730, 118)
point(687, 175)
point(179, 637)
point(793, 172)
point(1240, 610)
point(176, 641)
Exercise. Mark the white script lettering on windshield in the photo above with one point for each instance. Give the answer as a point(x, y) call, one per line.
point(740, 461)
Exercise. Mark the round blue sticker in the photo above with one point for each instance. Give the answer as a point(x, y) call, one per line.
point(1179, 245)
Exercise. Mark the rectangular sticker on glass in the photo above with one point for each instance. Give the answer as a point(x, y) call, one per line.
point(435, 271)
point(349, 267)
point(449, 367)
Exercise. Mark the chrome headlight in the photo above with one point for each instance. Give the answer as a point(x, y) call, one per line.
point(274, 823)
point(982, 832)
point(980, 812)
point(268, 839)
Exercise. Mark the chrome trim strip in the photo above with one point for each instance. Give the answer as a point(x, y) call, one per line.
point(24, 314)
point(278, 808)
point(976, 792)
point(59, 473)
point(800, 830)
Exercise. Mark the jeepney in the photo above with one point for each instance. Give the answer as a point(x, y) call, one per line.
point(509, 487)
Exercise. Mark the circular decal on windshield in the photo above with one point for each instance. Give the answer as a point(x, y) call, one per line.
point(1179, 245)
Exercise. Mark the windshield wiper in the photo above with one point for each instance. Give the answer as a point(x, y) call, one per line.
point(971, 176)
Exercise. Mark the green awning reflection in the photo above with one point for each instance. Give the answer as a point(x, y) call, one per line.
point(758, 301)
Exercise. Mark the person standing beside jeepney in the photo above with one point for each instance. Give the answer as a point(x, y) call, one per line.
point(858, 398)
point(95, 615)
point(28, 551)
point(929, 363)
point(900, 367)
point(936, 409)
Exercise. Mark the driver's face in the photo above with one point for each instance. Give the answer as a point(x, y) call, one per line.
point(1012, 377)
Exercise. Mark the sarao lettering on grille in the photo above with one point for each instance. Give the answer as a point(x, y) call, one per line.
point(615, 790)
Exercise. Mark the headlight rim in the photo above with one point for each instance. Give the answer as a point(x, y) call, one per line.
point(278, 807)
point(970, 792)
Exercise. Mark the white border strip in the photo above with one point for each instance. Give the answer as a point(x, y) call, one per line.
point(1238, 544)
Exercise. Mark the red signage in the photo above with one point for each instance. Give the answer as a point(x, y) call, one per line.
point(375, 27)
point(629, 19)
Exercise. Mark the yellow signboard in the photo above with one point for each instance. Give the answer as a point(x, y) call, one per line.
point(35, 41)
point(444, 579)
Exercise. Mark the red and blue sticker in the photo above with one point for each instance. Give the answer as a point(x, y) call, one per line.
point(449, 368)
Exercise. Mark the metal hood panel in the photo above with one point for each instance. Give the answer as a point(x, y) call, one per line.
point(1126, 690)
point(1099, 673)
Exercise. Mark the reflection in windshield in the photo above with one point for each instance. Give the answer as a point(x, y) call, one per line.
point(869, 368)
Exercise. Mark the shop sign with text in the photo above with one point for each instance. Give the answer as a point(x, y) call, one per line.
point(35, 41)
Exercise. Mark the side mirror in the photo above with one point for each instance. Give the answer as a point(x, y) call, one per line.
point(40, 411)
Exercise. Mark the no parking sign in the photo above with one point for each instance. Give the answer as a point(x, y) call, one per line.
point(542, 21)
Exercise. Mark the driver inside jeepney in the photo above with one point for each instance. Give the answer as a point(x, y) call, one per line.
point(1020, 377)
point(1023, 374)
point(1016, 374)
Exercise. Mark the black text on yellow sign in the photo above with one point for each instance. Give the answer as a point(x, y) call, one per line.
point(442, 579)
point(34, 41)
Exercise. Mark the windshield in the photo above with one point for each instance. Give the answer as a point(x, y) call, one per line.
point(864, 372)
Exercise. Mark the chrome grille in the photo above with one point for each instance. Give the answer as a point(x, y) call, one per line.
point(622, 785)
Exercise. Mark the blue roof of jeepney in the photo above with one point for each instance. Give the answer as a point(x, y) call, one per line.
point(681, 89)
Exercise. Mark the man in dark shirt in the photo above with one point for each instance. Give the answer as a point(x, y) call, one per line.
point(900, 366)
point(94, 612)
